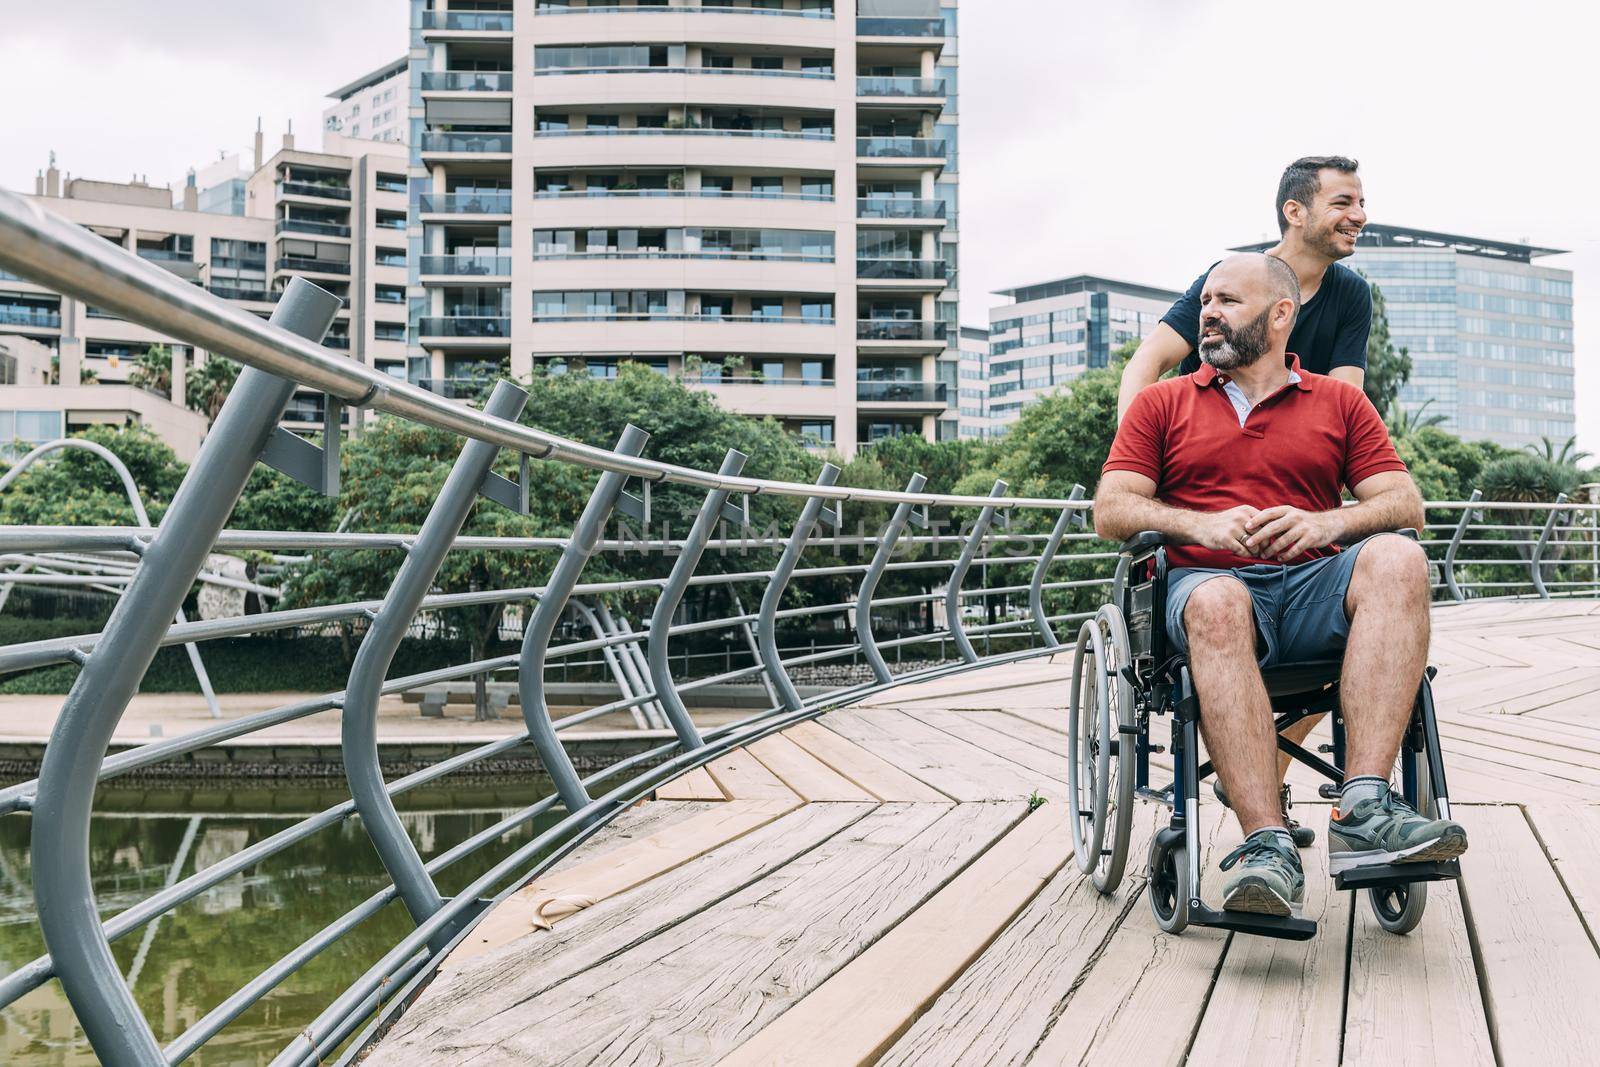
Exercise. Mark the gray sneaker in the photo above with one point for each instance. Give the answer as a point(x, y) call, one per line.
point(1388, 830)
point(1269, 881)
point(1304, 836)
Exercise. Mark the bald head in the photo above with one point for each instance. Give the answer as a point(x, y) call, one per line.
point(1247, 308)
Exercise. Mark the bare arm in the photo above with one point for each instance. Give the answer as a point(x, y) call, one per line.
point(1386, 501)
point(1354, 375)
point(1125, 504)
point(1157, 354)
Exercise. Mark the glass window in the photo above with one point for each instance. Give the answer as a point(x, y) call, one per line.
point(812, 308)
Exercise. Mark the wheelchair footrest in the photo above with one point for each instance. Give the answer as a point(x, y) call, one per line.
point(1287, 927)
point(1397, 874)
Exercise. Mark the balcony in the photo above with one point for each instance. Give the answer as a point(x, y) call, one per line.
point(466, 81)
point(36, 318)
point(464, 326)
point(900, 148)
point(340, 341)
point(472, 21)
point(229, 292)
point(330, 229)
point(465, 203)
point(899, 27)
point(666, 316)
point(884, 207)
point(704, 9)
point(899, 330)
point(468, 264)
point(434, 141)
point(318, 266)
point(325, 190)
point(754, 72)
point(758, 379)
point(669, 131)
point(899, 87)
point(901, 392)
point(594, 193)
point(475, 389)
point(919, 270)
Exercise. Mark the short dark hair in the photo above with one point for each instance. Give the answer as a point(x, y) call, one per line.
point(1300, 181)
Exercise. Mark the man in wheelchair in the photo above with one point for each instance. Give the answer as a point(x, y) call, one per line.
point(1239, 466)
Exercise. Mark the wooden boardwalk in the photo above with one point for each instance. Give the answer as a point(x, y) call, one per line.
point(871, 888)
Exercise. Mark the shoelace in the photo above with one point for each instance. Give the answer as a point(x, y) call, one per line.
point(1253, 844)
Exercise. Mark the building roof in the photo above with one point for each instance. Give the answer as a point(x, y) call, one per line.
point(1377, 235)
point(1084, 283)
point(975, 331)
point(383, 73)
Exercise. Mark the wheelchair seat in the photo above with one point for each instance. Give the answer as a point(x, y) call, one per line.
point(1288, 679)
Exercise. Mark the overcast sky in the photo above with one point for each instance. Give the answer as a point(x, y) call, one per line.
point(1133, 139)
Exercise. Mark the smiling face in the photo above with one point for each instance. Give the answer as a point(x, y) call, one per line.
point(1330, 224)
point(1246, 311)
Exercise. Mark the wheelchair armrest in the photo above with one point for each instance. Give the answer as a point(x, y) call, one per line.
point(1143, 542)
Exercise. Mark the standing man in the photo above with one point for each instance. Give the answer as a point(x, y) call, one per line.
point(1321, 210)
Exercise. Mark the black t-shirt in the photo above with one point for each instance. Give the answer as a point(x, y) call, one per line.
point(1331, 330)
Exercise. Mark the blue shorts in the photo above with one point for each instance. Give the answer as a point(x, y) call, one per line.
point(1299, 610)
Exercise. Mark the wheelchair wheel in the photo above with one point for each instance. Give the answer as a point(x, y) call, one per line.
point(1169, 887)
point(1089, 765)
point(1399, 908)
point(1107, 873)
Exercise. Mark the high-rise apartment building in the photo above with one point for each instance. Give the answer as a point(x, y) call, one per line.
point(973, 382)
point(1050, 333)
point(756, 195)
point(1489, 330)
point(372, 107)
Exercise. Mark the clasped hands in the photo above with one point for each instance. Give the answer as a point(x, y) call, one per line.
point(1280, 533)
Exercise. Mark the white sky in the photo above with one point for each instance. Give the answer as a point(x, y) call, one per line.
point(1132, 139)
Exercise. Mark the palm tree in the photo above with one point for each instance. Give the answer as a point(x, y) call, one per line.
point(206, 387)
point(152, 372)
point(1403, 423)
point(1568, 456)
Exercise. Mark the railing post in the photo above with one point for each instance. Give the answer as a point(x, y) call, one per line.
point(694, 547)
point(608, 654)
point(1538, 549)
point(359, 719)
point(1455, 546)
point(1052, 545)
point(536, 637)
point(63, 891)
point(766, 619)
point(952, 593)
point(869, 582)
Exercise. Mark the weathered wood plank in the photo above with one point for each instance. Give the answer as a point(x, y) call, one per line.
point(955, 767)
point(996, 1012)
point(616, 871)
point(695, 991)
point(873, 773)
point(802, 772)
point(1539, 968)
point(743, 777)
point(856, 1014)
point(1569, 833)
point(539, 960)
point(692, 785)
point(1047, 765)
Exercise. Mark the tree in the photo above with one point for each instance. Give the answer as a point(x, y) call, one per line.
point(1568, 456)
point(152, 371)
point(206, 386)
point(86, 375)
point(1388, 368)
point(1403, 423)
point(78, 488)
point(1063, 438)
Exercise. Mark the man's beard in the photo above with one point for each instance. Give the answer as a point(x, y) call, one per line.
point(1238, 348)
point(1325, 242)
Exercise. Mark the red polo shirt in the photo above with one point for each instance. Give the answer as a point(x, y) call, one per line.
point(1297, 447)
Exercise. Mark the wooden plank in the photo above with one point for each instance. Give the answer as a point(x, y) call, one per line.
point(1282, 1001)
point(873, 773)
point(803, 773)
point(696, 784)
point(1002, 1004)
point(613, 872)
point(1568, 833)
point(697, 990)
point(742, 777)
point(854, 1016)
point(955, 767)
point(1415, 999)
point(540, 960)
point(1048, 764)
point(1539, 968)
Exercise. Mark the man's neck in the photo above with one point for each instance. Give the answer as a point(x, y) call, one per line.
point(1309, 265)
point(1263, 377)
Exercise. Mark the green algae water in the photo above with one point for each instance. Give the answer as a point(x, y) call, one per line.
point(146, 835)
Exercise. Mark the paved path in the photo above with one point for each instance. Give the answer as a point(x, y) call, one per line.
point(872, 888)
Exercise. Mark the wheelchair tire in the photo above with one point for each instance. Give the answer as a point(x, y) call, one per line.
point(1169, 888)
point(1089, 758)
point(1113, 858)
point(1399, 908)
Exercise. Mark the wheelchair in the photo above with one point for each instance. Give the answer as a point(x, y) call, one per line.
point(1123, 672)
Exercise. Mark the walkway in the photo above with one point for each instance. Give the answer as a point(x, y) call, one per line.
point(871, 888)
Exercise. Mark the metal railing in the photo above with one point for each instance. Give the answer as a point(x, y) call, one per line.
point(885, 207)
point(326, 190)
point(467, 263)
point(899, 330)
point(686, 9)
point(874, 86)
point(442, 141)
point(1011, 612)
point(684, 131)
point(922, 270)
point(899, 27)
point(464, 326)
point(298, 225)
point(479, 21)
point(478, 81)
point(598, 193)
point(901, 392)
point(755, 72)
point(465, 203)
point(900, 148)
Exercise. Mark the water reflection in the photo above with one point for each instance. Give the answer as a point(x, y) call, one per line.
point(144, 837)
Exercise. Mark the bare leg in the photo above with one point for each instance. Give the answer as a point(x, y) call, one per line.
point(1387, 603)
point(1237, 716)
point(1298, 733)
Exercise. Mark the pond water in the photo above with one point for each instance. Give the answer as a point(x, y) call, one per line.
point(144, 836)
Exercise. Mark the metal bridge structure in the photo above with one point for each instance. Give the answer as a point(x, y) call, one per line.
point(1005, 573)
